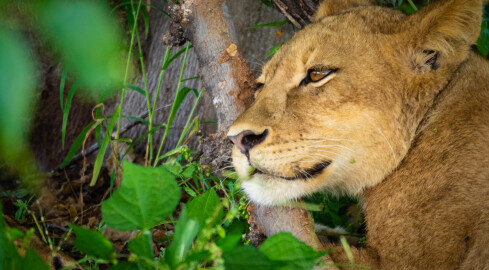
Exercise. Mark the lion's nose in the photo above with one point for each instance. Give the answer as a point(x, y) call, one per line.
point(247, 139)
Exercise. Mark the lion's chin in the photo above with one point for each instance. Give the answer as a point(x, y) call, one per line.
point(270, 190)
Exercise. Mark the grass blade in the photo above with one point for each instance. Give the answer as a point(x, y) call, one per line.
point(274, 50)
point(153, 130)
point(272, 24)
point(66, 111)
point(77, 144)
point(136, 88)
point(62, 86)
point(103, 148)
point(177, 101)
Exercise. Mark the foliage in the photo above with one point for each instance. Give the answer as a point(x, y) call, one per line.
point(10, 257)
point(172, 190)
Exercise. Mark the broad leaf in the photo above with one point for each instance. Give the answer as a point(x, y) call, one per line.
point(142, 245)
point(93, 243)
point(234, 235)
point(286, 248)
point(185, 232)
point(145, 198)
point(32, 260)
point(205, 206)
point(247, 257)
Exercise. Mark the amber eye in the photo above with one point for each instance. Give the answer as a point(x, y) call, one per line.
point(317, 75)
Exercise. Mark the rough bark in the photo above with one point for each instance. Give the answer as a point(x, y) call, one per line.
point(266, 221)
point(224, 71)
point(299, 13)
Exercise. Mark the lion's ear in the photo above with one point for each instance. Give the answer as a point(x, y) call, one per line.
point(443, 32)
point(330, 7)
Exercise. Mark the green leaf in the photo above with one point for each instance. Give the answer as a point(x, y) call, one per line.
point(93, 243)
point(17, 84)
point(125, 266)
point(66, 112)
point(169, 60)
point(136, 88)
point(247, 257)
point(77, 144)
point(131, 146)
point(190, 191)
point(205, 206)
point(145, 198)
point(9, 257)
point(142, 245)
point(32, 260)
point(272, 24)
point(286, 248)
point(234, 235)
point(483, 41)
point(86, 38)
point(185, 232)
point(267, 3)
point(103, 147)
point(62, 86)
point(274, 50)
point(139, 119)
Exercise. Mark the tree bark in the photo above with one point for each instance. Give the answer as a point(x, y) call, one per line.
point(300, 13)
point(224, 71)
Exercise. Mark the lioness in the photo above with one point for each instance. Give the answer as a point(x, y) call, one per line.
point(391, 108)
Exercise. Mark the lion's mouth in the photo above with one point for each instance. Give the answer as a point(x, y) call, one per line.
point(303, 174)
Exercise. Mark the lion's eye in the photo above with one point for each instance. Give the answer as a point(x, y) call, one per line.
point(317, 75)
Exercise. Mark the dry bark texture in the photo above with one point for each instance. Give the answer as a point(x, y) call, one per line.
point(210, 30)
point(300, 13)
point(266, 221)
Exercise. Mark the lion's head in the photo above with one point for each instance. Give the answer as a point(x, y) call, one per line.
point(339, 104)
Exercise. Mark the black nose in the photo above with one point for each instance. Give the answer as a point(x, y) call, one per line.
point(247, 139)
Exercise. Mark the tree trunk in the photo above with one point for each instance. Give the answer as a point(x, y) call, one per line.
point(300, 13)
point(229, 81)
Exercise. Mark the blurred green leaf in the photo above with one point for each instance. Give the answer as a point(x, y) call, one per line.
point(267, 3)
point(125, 266)
point(32, 260)
point(9, 256)
point(17, 82)
point(234, 235)
point(145, 198)
point(142, 245)
point(247, 257)
point(204, 207)
point(87, 40)
point(93, 243)
point(483, 41)
point(286, 248)
point(185, 232)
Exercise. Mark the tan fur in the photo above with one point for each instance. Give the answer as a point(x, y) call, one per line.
point(404, 123)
